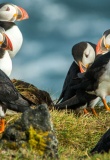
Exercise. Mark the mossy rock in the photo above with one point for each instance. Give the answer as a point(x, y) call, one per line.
point(34, 129)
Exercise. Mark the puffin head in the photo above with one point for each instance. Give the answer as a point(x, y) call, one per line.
point(103, 45)
point(10, 13)
point(5, 42)
point(84, 54)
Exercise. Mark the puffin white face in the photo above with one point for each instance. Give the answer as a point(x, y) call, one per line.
point(88, 55)
point(107, 42)
point(7, 13)
point(11, 13)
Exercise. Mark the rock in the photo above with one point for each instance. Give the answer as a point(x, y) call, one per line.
point(34, 129)
point(103, 144)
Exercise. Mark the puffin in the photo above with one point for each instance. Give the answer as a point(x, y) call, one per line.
point(19, 96)
point(83, 54)
point(10, 98)
point(9, 13)
point(103, 47)
point(96, 80)
point(5, 46)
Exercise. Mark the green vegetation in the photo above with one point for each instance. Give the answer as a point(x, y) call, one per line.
point(77, 135)
point(37, 141)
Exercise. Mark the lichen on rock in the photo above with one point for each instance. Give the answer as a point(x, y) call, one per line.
point(34, 129)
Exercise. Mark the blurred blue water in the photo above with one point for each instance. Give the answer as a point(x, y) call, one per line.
point(53, 28)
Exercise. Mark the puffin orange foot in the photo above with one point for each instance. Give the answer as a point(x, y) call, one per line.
point(85, 111)
point(94, 112)
point(108, 109)
point(2, 125)
point(105, 104)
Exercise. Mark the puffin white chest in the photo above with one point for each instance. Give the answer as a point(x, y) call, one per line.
point(16, 38)
point(104, 82)
point(2, 113)
point(6, 63)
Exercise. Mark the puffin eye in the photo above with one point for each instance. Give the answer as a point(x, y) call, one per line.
point(86, 55)
point(7, 9)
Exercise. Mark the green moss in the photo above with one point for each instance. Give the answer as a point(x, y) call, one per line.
point(38, 140)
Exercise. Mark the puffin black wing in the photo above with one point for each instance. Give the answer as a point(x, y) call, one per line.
point(10, 96)
point(72, 103)
point(103, 144)
point(70, 80)
point(81, 99)
point(72, 73)
point(8, 92)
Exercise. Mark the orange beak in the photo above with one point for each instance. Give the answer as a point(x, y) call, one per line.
point(100, 48)
point(82, 67)
point(22, 14)
point(7, 45)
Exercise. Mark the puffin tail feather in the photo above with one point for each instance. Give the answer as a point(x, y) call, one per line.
point(71, 103)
